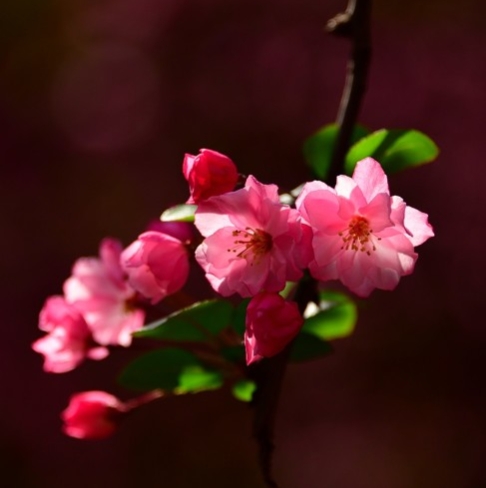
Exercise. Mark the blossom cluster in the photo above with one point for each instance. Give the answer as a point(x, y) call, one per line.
point(251, 244)
point(103, 298)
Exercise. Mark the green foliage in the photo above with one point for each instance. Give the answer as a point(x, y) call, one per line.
point(195, 378)
point(394, 149)
point(239, 316)
point(243, 390)
point(199, 322)
point(234, 354)
point(180, 371)
point(335, 318)
point(179, 213)
point(307, 347)
point(318, 148)
point(170, 369)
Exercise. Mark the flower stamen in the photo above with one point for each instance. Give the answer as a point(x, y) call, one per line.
point(255, 243)
point(357, 237)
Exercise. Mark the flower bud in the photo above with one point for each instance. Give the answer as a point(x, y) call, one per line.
point(271, 323)
point(92, 415)
point(157, 265)
point(184, 231)
point(209, 173)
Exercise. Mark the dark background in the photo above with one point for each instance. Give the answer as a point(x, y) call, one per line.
point(99, 100)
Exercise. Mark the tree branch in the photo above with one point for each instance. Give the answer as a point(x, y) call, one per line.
point(353, 24)
point(268, 374)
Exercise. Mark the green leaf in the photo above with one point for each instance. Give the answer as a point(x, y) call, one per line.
point(196, 378)
point(170, 369)
point(243, 390)
point(234, 354)
point(318, 148)
point(395, 150)
point(196, 323)
point(336, 317)
point(179, 213)
point(307, 347)
point(239, 316)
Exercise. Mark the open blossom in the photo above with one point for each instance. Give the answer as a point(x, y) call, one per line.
point(253, 242)
point(209, 173)
point(69, 339)
point(362, 235)
point(92, 415)
point(99, 290)
point(157, 265)
point(271, 323)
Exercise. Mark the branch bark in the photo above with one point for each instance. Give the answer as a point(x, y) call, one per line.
point(353, 24)
point(268, 374)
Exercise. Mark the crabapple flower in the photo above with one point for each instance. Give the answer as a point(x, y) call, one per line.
point(209, 173)
point(157, 265)
point(253, 242)
point(69, 339)
point(92, 415)
point(99, 290)
point(271, 323)
point(362, 235)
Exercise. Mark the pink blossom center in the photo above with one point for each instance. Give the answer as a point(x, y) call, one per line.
point(253, 243)
point(131, 304)
point(357, 237)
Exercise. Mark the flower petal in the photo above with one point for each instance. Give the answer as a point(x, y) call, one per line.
point(370, 177)
point(417, 226)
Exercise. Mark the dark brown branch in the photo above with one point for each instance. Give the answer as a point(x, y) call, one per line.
point(353, 24)
point(268, 374)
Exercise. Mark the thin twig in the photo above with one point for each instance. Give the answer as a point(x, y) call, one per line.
point(353, 24)
point(269, 373)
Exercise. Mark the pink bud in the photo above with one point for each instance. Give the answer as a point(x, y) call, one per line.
point(92, 415)
point(184, 231)
point(157, 265)
point(271, 323)
point(209, 173)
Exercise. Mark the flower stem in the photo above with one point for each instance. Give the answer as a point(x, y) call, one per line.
point(268, 374)
point(353, 24)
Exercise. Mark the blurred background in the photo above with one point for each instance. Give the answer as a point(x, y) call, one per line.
point(99, 101)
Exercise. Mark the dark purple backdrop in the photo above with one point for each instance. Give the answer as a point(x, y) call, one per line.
point(99, 100)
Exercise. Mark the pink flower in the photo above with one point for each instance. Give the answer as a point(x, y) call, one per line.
point(209, 173)
point(362, 235)
point(157, 265)
point(92, 415)
point(69, 339)
point(253, 242)
point(99, 290)
point(271, 323)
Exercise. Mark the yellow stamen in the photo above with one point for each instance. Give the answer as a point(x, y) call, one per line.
point(253, 243)
point(357, 237)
